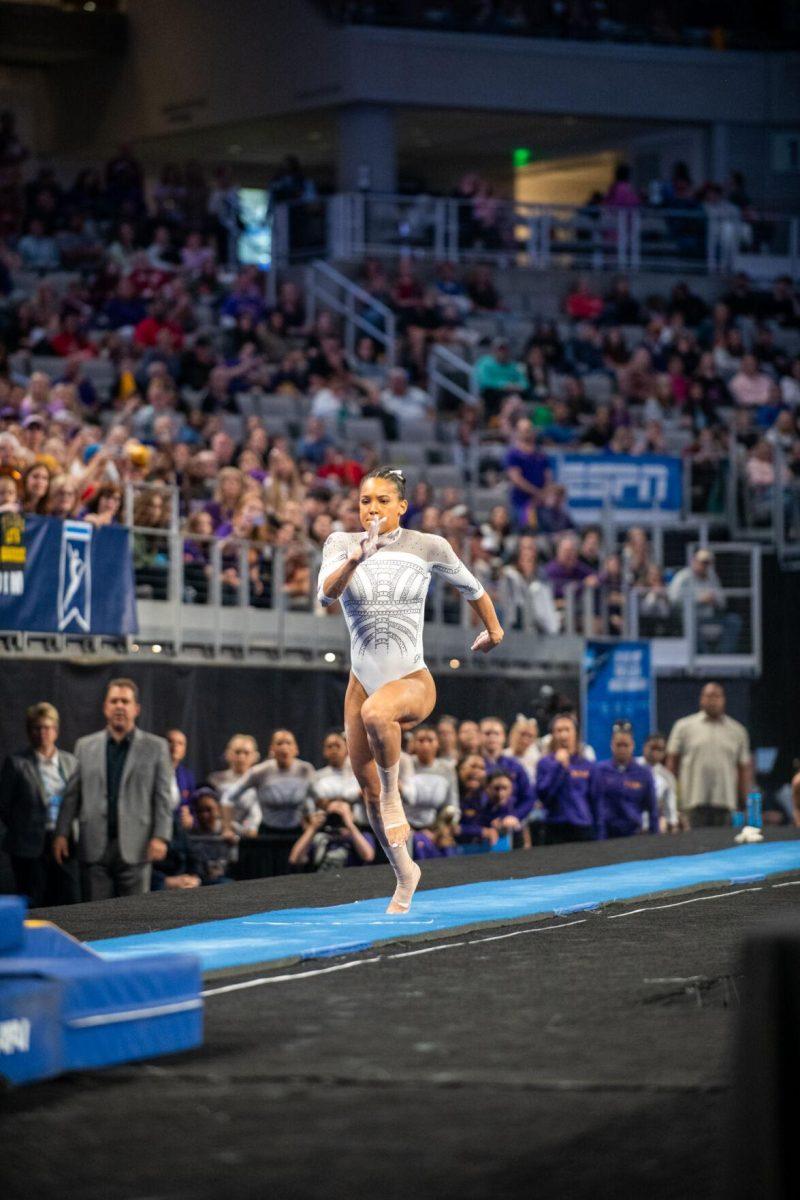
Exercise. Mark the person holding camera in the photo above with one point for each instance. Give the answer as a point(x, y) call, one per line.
point(331, 840)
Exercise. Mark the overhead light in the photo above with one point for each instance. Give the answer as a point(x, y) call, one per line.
point(455, 663)
point(135, 647)
point(156, 648)
point(89, 6)
point(329, 656)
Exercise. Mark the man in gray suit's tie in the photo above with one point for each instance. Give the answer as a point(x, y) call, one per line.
point(121, 795)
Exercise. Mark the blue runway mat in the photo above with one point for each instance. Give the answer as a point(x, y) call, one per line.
point(347, 928)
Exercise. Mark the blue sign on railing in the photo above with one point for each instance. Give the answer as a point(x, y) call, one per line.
point(65, 577)
point(617, 685)
point(650, 484)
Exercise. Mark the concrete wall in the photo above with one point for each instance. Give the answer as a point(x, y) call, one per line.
point(196, 64)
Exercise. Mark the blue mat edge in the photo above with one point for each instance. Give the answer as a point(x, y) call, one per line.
point(329, 936)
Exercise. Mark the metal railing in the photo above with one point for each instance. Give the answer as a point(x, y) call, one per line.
point(361, 313)
point(694, 238)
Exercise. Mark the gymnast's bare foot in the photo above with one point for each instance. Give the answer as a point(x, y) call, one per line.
point(404, 892)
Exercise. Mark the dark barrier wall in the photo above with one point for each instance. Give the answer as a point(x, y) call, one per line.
point(210, 703)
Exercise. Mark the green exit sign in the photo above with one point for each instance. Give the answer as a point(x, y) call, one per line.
point(521, 156)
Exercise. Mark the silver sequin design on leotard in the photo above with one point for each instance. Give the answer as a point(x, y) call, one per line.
point(384, 603)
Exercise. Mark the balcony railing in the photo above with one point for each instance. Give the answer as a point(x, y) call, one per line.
point(696, 239)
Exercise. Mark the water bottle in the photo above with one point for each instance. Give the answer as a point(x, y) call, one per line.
point(754, 809)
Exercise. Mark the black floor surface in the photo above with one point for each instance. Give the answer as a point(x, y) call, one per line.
point(580, 1057)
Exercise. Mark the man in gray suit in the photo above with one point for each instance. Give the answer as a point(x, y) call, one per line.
point(121, 796)
point(32, 784)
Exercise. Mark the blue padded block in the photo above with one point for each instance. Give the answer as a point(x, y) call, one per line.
point(31, 1039)
point(98, 1013)
point(12, 915)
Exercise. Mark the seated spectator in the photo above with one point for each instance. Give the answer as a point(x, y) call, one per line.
point(498, 376)
point(581, 303)
point(500, 812)
point(401, 399)
point(583, 351)
point(63, 498)
point(564, 779)
point(552, 514)
point(211, 846)
point(750, 386)
point(636, 555)
point(624, 790)
point(35, 487)
point(591, 548)
point(227, 495)
point(178, 870)
point(611, 596)
point(717, 629)
point(620, 307)
point(38, 251)
point(331, 840)
point(657, 617)
point(566, 568)
point(523, 591)
point(481, 291)
point(472, 828)
point(527, 470)
point(599, 432)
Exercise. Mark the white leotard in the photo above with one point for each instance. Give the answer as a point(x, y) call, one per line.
point(384, 602)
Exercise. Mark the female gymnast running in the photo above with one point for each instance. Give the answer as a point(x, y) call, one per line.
point(382, 577)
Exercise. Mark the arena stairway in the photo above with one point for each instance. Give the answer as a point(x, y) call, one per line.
point(63, 1008)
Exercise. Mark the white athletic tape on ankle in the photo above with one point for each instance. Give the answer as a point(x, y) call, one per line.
point(389, 777)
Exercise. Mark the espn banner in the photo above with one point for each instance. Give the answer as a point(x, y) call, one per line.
point(65, 577)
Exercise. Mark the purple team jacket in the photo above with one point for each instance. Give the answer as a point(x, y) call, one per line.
point(623, 794)
point(567, 792)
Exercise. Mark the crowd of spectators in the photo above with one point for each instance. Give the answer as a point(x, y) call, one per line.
point(132, 353)
point(474, 784)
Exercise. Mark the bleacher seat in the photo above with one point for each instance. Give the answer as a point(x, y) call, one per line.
point(359, 430)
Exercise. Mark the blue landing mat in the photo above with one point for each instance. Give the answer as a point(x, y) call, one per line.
point(347, 928)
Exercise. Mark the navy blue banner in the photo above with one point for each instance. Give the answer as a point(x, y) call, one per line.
point(647, 485)
point(617, 686)
point(65, 577)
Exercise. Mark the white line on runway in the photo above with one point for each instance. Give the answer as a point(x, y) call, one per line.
point(498, 937)
point(362, 962)
point(677, 903)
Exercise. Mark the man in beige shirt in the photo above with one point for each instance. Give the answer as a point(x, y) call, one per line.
point(709, 752)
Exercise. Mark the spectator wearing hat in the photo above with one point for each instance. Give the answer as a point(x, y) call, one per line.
point(717, 629)
point(498, 376)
